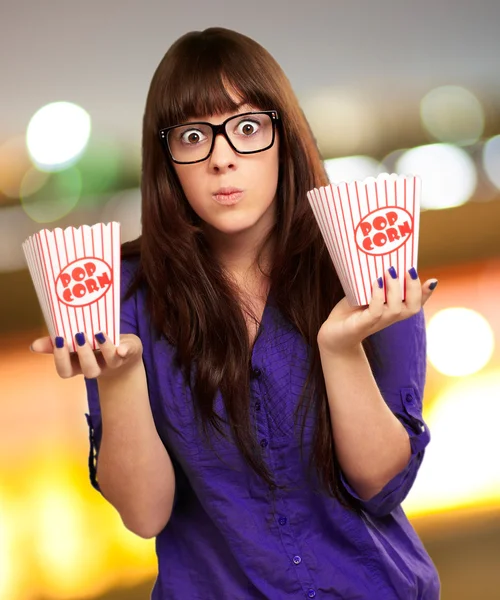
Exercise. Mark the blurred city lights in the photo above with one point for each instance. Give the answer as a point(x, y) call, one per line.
point(455, 473)
point(449, 176)
point(125, 208)
point(491, 160)
point(460, 341)
point(350, 168)
point(452, 114)
point(56, 198)
point(57, 135)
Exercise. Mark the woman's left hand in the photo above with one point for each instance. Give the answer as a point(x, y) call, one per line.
point(347, 326)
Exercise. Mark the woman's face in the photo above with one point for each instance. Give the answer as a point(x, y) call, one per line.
point(256, 175)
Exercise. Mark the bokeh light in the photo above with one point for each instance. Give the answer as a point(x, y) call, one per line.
point(449, 176)
point(350, 168)
point(455, 473)
point(491, 160)
point(460, 341)
point(342, 120)
point(57, 135)
point(56, 198)
point(452, 114)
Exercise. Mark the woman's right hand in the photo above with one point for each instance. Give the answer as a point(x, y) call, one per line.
point(108, 361)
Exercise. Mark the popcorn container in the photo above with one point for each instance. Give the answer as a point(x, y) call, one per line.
point(368, 226)
point(76, 274)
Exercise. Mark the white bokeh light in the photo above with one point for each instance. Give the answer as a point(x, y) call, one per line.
point(449, 176)
point(491, 160)
point(455, 473)
point(350, 168)
point(57, 135)
point(460, 341)
point(452, 114)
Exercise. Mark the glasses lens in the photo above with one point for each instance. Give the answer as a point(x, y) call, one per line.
point(191, 142)
point(248, 133)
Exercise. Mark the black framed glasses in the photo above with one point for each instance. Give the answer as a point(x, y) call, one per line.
point(246, 133)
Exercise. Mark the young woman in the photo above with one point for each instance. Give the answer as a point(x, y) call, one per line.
point(264, 431)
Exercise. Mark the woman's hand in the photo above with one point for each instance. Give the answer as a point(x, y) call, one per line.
point(108, 361)
point(347, 326)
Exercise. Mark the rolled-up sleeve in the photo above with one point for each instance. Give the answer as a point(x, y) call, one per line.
point(400, 373)
point(128, 324)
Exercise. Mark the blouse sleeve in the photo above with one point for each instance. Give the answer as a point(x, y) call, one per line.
point(128, 324)
point(400, 377)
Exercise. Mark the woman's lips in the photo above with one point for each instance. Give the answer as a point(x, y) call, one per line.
point(228, 198)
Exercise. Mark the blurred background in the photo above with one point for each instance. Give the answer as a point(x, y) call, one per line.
point(387, 86)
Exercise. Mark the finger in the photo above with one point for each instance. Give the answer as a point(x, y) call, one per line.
point(413, 301)
point(65, 367)
point(377, 303)
point(86, 356)
point(394, 295)
point(108, 350)
point(42, 345)
point(428, 289)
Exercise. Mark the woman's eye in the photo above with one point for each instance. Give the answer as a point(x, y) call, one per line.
point(192, 137)
point(248, 127)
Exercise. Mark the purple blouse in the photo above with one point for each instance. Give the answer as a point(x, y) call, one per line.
point(230, 536)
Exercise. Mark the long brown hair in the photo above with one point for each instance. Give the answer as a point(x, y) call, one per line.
point(186, 288)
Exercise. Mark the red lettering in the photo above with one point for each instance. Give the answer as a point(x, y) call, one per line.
point(379, 239)
point(65, 279)
point(379, 223)
point(91, 285)
point(365, 228)
point(79, 290)
point(104, 280)
point(392, 217)
point(392, 234)
point(90, 268)
point(78, 274)
point(405, 228)
point(67, 295)
point(367, 243)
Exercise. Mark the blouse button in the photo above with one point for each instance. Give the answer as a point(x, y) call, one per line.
point(282, 521)
point(264, 443)
point(409, 398)
point(297, 560)
point(257, 406)
point(256, 372)
point(311, 594)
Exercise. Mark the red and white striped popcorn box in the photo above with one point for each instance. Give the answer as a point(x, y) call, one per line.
point(76, 274)
point(368, 226)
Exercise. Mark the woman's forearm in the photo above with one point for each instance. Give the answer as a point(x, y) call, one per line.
point(372, 446)
point(134, 470)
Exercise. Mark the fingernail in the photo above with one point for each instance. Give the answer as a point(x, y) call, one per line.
point(80, 338)
point(433, 285)
point(380, 282)
point(413, 273)
point(392, 272)
point(60, 342)
point(100, 337)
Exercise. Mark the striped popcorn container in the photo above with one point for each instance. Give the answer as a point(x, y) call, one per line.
point(368, 226)
point(76, 274)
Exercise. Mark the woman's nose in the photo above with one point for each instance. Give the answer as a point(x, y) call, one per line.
point(223, 156)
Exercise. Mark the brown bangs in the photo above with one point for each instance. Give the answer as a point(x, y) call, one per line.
point(204, 70)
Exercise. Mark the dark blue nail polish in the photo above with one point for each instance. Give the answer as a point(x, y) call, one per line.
point(433, 285)
point(392, 272)
point(59, 342)
point(100, 338)
point(380, 282)
point(80, 338)
point(413, 273)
